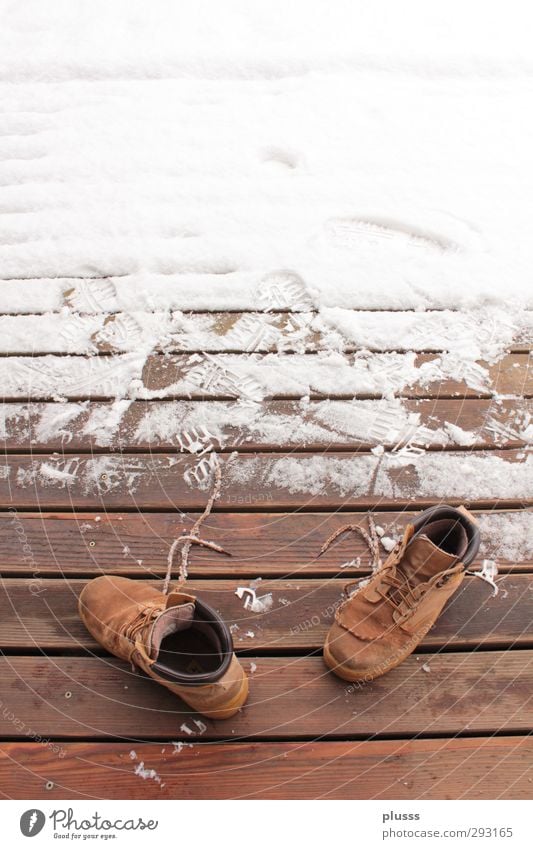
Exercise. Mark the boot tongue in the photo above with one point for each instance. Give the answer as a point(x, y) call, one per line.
point(424, 558)
point(173, 619)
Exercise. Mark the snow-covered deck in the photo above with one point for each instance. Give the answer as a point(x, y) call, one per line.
point(118, 479)
point(315, 271)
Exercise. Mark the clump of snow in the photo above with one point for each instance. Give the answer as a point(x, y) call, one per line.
point(253, 602)
point(388, 543)
point(144, 772)
point(488, 573)
point(179, 746)
point(458, 435)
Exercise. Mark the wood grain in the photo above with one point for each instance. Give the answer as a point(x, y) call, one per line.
point(290, 697)
point(475, 768)
point(43, 613)
point(261, 544)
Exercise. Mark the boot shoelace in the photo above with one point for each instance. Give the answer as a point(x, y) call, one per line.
point(403, 593)
point(141, 620)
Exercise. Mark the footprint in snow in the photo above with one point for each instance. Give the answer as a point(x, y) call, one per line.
point(351, 232)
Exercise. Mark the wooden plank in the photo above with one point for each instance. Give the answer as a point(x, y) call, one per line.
point(288, 544)
point(333, 481)
point(236, 291)
point(345, 330)
point(475, 768)
point(272, 425)
point(290, 697)
point(255, 377)
point(43, 613)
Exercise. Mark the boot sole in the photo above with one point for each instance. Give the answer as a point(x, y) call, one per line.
point(347, 674)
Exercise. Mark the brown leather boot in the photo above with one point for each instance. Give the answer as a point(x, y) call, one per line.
point(387, 616)
point(178, 640)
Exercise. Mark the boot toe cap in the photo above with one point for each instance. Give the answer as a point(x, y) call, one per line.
point(354, 659)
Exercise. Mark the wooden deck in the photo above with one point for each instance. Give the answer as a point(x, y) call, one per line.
point(81, 498)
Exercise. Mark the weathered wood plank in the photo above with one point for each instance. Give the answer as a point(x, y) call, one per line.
point(43, 613)
point(290, 697)
point(381, 769)
point(345, 330)
point(282, 544)
point(272, 425)
point(163, 481)
point(255, 377)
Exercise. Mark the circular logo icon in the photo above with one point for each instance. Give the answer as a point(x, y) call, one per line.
point(32, 822)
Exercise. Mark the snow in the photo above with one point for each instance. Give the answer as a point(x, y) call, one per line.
point(334, 129)
point(251, 377)
point(104, 422)
point(144, 772)
point(483, 333)
point(52, 473)
point(475, 476)
point(488, 573)
point(507, 536)
point(370, 173)
point(458, 435)
point(388, 543)
point(253, 602)
point(197, 427)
